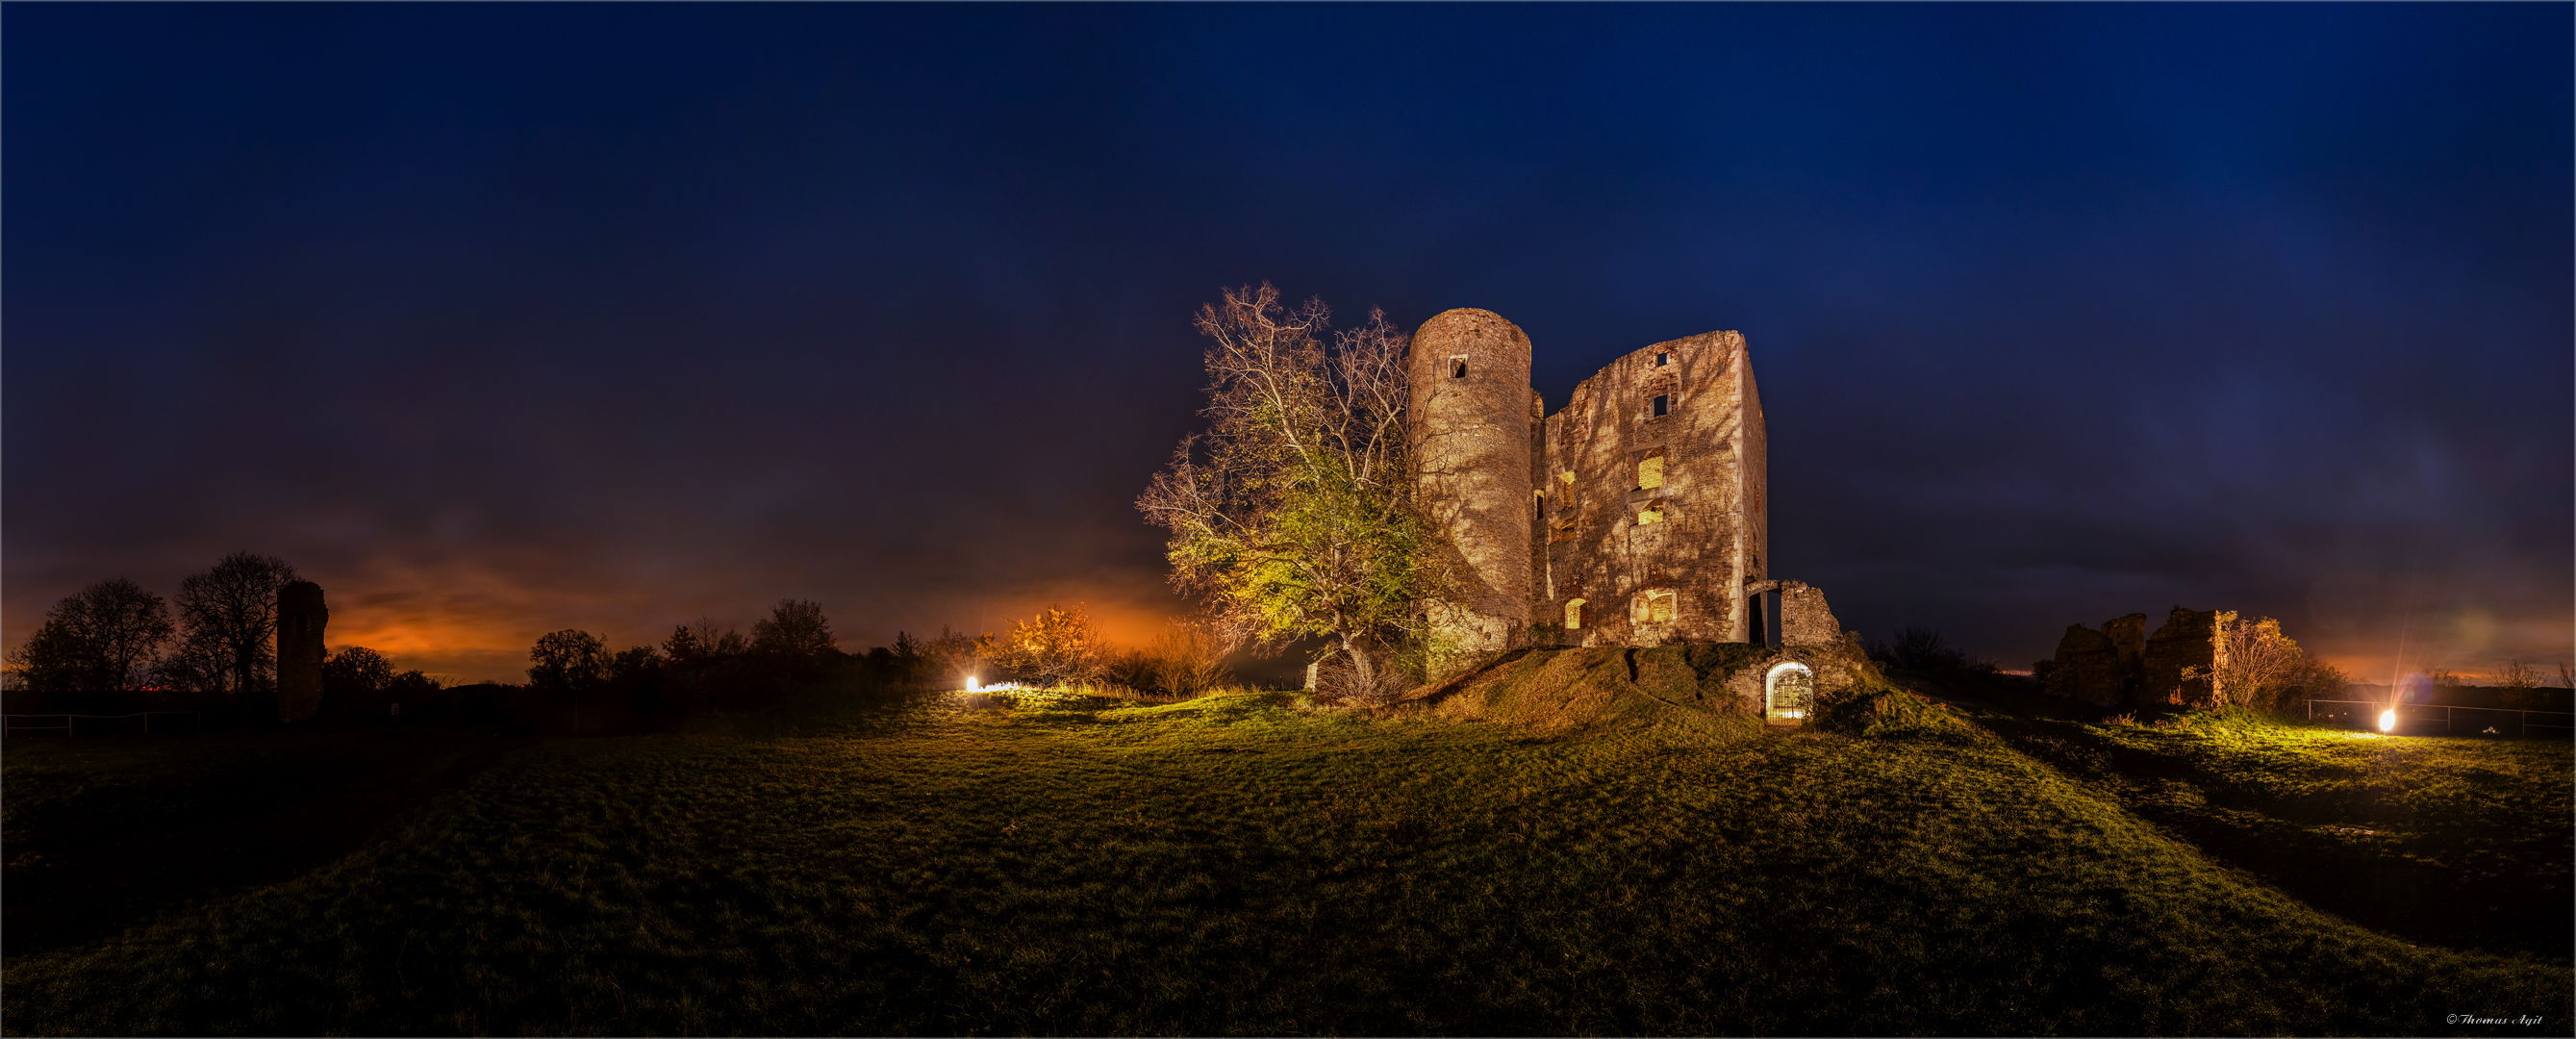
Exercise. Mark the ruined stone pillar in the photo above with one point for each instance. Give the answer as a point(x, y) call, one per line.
point(300, 619)
point(1471, 428)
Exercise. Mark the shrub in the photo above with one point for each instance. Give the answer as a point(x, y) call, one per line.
point(1918, 648)
point(1056, 647)
point(1186, 661)
point(2265, 670)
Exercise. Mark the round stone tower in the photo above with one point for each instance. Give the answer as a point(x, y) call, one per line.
point(1471, 437)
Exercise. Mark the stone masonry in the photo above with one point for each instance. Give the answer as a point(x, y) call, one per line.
point(301, 616)
point(2121, 666)
point(1633, 516)
point(1472, 412)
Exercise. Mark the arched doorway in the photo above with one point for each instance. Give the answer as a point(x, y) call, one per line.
point(1788, 692)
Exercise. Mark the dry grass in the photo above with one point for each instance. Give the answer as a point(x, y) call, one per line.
point(1232, 864)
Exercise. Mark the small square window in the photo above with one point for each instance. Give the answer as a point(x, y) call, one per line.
point(1458, 368)
point(1663, 404)
point(1663, 359)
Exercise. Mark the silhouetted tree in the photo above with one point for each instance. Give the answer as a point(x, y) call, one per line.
point(636, 664)
point(107, 636)
point(795, 628)
point(568, 660)
point(426, 699)
point(356, 671)
point(1294, 515)
point(1918, 648)
point(53, 660)
point(684, 648)
point(229, 618)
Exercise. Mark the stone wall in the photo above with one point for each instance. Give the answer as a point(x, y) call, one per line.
point(2100, 667)
point(2182, 658)
point(2119, 666)
point(1835, 666)
point(301, 617)
point(1636, 515)
point(1651, 520)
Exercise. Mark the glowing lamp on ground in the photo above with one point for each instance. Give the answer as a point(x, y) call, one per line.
point(2388, 720)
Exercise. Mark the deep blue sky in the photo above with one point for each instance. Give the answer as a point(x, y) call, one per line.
point(496, 319)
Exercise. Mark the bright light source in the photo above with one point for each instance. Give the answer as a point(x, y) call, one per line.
point(2388, 720)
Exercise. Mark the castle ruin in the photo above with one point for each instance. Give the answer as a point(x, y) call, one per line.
point(1634, 516)
point(2120, 665)
point(301, 616)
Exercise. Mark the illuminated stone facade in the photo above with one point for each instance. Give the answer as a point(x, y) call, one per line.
point(1633, 516)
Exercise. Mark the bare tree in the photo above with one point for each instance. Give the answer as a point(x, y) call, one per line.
point(2267, 670)
point(229, 614)
point(2518, 675)
point(1294, 514)
point(104, 637)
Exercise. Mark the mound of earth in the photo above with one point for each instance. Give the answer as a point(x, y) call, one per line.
point(1690, 684)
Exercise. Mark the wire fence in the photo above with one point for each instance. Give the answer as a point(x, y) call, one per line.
point(13, 724)
point(2446, 720)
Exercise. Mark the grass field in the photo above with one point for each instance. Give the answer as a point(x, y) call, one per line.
point(1237, 864)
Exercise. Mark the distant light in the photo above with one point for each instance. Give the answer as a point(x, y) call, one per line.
point(970, 683)
point(2388, 720)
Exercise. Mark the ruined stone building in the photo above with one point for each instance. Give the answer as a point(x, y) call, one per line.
point(2120, 665)
point(1634, 516)
point(301, 618)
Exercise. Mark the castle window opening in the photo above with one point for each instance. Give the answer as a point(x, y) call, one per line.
point(1650, 514)
point(1457, 367)
point(1663, 359)
point(1561, 532)
point(1788, 692)
point(1573, 614)
point(1657, 607)
point(1663, 404)
point(1650, 470)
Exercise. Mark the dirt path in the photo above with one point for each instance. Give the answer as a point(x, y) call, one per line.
point(98, 879)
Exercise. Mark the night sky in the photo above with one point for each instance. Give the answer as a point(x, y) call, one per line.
point(498, 319)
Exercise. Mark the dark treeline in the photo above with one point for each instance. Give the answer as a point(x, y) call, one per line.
point(577, 685)
point(116, 647)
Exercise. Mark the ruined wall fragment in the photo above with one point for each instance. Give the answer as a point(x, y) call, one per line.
point(301, 616)
point(2183, 657)
point(1649, 498)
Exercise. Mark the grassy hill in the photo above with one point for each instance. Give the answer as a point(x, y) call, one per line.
point(1599, 863)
